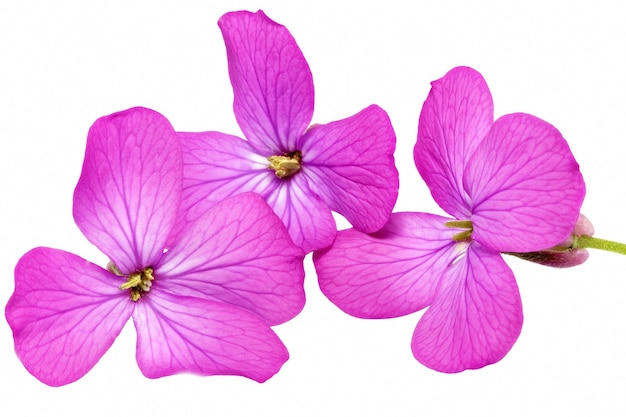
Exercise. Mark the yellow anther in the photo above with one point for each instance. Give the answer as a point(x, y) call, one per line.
point(135, 294)
point(138, 282)
point(459, 224)
point(287, 164)
point(132, 281)
point(466, 234)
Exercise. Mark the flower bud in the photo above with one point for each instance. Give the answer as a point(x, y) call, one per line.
point(563, 255)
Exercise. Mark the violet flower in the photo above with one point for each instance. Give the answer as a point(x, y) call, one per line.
point(302, 171)
point(510, 186)
point(203, 305)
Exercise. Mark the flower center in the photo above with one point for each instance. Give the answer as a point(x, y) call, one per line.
point(137, 282)
point(286, 164)
point(465, 225)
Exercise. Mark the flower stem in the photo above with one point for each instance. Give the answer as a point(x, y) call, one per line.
point(583, 242)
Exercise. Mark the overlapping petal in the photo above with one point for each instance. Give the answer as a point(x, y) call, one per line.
point(218, 166)
point(65, 314)
point(525, 186)
point(238, 253)
point(476, 316)
point(350, 165)
point(129, 190)
point(272, 82)
point(310, 223)
point(455, 118)
point(186, 334)
point(390, 273)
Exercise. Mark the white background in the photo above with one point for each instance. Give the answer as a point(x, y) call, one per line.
point(64, 64)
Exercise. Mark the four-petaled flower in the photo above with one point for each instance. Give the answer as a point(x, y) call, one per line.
point(511, 186)
point(202, 301)
point(302, 172)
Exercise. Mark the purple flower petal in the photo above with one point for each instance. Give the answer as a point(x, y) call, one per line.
point(218, 166)
point(65, 314)
point(310, 223)
point(238, 253)
point(525, 186)
point(350, 165)
point(455, 117)
point(186, 334)
point(476, 316)
point(128, 194)
point(389, 273)
point(271, 80)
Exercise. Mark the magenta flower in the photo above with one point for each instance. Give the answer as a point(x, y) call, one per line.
point(302, 171)
point(203, 304)
point(511, 186)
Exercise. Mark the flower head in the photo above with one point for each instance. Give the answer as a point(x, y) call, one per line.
point(302, 171)
point(510, 186)
point(201, 303)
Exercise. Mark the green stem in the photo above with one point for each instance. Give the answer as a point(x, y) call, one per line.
point(583, 242)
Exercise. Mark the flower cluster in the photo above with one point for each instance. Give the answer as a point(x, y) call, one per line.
point(206, 232)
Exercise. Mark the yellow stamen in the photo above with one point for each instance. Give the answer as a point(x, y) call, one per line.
point(135, 294)
point(287, 164)
point(112, 268)
point(461, 224)
point(464, 235)
point(138, 282)
point(132, 281)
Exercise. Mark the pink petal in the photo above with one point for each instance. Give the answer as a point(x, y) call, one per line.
point(218, 166)
point(525, 186)
point(389, 273)
point(65, 314)
point(310, 223)
point(455, 117)
point(271, 81)
point(350, 165)
point(129, 190)
point(476, 316)
point(186, 334)
point(238, 253)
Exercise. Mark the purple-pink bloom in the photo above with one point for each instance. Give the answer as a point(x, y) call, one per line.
point(302, 171)
point(510, 185)
point(202, 303)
